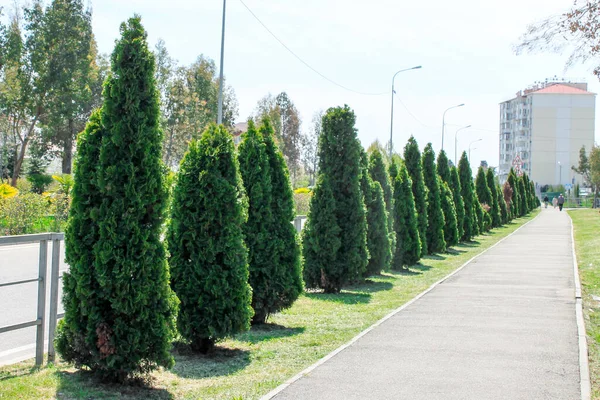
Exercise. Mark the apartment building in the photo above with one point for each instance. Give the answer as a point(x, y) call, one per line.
point(542, 130)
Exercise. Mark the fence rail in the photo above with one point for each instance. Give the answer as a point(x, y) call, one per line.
point(40, 321)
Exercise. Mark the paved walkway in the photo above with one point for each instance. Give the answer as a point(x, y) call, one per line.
point(504, 327)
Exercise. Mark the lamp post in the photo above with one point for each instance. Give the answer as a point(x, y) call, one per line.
point(560, 168)
point(220, 109)
point(392, 118)
point(474, 141)
point(456, 142)
point(444, 121)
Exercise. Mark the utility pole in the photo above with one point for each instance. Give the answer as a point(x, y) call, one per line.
point(392, 117)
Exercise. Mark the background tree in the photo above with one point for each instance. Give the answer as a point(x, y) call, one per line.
point(495, 211)
point(523, 207)
point(443, 167)
point(208, 259)
point(451, 224)
point(454, 184)
point(507, 193)
point(310, 147)
point(470, 227)
point(286, 276)
point(378, 241)
point(379, 173)
point(414, 167)
point(339, 161)
point(408, 243)
point(583, 168)
point(321, 241)
point(484, 194)
point(76, 335)
point(435, 224)
point(135, 335)
point(504, 214)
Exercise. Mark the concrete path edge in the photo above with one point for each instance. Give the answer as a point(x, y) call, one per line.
point(307, 370)
point(584, 368)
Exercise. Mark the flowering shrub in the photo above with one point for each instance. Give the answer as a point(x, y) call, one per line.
point(22, 214)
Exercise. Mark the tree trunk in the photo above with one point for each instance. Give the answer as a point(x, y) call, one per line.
point(21, 157)
point(67, 160)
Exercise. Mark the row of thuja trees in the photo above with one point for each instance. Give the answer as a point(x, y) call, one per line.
point(365, 218)
point(231, 257)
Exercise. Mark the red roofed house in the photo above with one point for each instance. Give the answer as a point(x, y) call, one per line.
point(542, 130)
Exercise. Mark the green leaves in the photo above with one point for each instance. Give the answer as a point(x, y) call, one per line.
point(408, 241)
point(414, 167)
point(435, 224)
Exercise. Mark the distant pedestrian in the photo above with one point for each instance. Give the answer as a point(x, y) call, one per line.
point(546, 201)
point(554, 202)
point(561, 201)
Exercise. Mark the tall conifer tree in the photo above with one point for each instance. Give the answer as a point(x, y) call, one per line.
point(435, 224)
point(495, 206)
point(459, 204)
point(414, 167)
point(451, 224)
point(408, 243)
point(470, 224)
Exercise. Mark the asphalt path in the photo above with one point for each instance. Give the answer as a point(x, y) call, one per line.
point(504, 327)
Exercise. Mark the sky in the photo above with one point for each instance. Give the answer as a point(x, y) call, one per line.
point(466, 49)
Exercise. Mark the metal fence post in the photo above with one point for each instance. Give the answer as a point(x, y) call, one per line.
point(41, 309)
point(298, 223)
point(53, 297)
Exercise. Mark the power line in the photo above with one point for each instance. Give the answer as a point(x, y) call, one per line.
point(304, 62)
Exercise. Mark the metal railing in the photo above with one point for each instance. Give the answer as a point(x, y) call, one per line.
point(40, 321)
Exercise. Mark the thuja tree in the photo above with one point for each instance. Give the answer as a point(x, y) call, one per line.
point(459, 204)
point(435, 224)
point(470, 227)
point(76, 337)
point(263, 268)
point(408, 244)
point(284, 284)
point(339, 161)
point(535, 200)
point(133, 322)
point(495, 211)
point(507, 193)
point(379, 173)
point(378, 241)
point(393, 172)
point(321, 240)
point(447, 203)
point(484, 194)
point(209, 260)
point(504, 215)
point(443, 167)
point(414, 167)
point(515, 200)
point(523, 195)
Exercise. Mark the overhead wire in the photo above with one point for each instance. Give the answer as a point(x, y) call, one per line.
point(304, 62)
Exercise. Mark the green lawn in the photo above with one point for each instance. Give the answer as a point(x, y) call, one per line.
point(256, 362)
point(587, 246)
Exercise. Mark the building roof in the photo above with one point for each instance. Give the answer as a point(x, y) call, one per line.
point(559, 88)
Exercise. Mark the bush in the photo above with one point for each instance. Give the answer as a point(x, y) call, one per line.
point(39, 182)
point(302, 203)
point(435, 223)
point(21, 214)
point(339, 161)
point(134, 325)
point(408, 243)
point(7, 191)
point(208, 257)
point(302, 190)
point(414, 167)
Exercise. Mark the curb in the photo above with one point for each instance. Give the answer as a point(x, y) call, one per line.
point(309, 369)
point(584, 368)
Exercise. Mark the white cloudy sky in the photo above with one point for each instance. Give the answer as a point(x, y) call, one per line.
point(464, 46)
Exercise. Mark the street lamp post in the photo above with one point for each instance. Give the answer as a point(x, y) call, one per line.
point(474, 141)
point(560, 168)
point(220, 109)
point(456, 142)
point(392, 118)
point(444, 121)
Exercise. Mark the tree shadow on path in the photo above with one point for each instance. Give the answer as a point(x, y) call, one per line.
point(220, 361)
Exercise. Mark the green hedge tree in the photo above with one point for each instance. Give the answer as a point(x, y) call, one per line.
point(459, 204)
point(379, 173)
point(406, 225)
point(134, 319)
point(76, 336)
point(470, 223)
point(378, 240)
point(443, 166)
point(414, 167)
point(321, 241)
point(451, 224)
point(287, 266)
point(339, 161)
point(515, 200)
point(523, 196)
point(504, 214)
point(484, 194)
point(535, 200)
point(495, 211)
point(435, 224)
point(393, 172)
point(208, 256)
